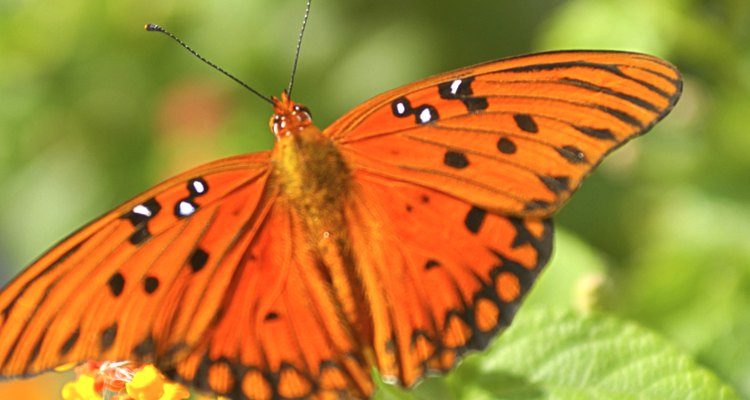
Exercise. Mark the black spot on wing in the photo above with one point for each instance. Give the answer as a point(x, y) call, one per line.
point(70, 342)
point(597, 133)
point(474, 104)
point(116, 284)
point(474, 219)
point(107, 337)
point(526, 123)
point(536, 204)
point(35, 350)
point(455, 159)
point(621, 115)
point(140, 236)
point(556, 184)
point(572, 154)
point(150, 284)
point(271, 316)
point(198, 259)
point(506, 146)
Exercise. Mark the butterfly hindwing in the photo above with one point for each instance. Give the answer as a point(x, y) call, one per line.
point(281, 334)
point(516, 136)
point(443, 276)
point(134, 284)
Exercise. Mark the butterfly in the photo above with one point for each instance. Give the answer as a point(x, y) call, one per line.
point(400, 237)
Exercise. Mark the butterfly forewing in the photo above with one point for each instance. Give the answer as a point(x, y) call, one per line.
point(99, 293)
point(515, 136)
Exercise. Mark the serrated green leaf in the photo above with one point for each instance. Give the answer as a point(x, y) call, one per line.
point(566, 355)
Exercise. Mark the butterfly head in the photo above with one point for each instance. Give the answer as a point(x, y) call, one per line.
point(288, 116)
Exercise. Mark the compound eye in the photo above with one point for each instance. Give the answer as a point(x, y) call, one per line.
point(303, 109)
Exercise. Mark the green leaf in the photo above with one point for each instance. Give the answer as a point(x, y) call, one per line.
point(566, 355)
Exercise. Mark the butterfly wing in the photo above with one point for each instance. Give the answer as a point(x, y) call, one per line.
point(207, 275)
point(515, 136)
point(140, 283)
point(456, 178)
point(443, 277)
point(281, 333)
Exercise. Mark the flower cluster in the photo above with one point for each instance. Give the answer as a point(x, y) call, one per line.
point(121, 381)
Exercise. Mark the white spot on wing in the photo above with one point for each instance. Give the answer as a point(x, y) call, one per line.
point(199, 187)
point(140, 209)
point(425, 116)
point(400, 108)
point(455, 85)
point(186, 209)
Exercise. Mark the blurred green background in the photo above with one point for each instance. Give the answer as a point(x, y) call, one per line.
point(94, 110)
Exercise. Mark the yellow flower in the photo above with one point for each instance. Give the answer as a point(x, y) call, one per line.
point(81, 389)
point(122, 380)
point(149, 384)
point(175, 391)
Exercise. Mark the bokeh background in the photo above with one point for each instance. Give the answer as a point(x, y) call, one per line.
point(94, 110)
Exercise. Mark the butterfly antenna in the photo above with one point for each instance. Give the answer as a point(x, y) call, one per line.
point(299, 46)
point(157, 28)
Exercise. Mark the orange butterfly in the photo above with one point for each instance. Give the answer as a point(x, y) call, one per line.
point(402, 236)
